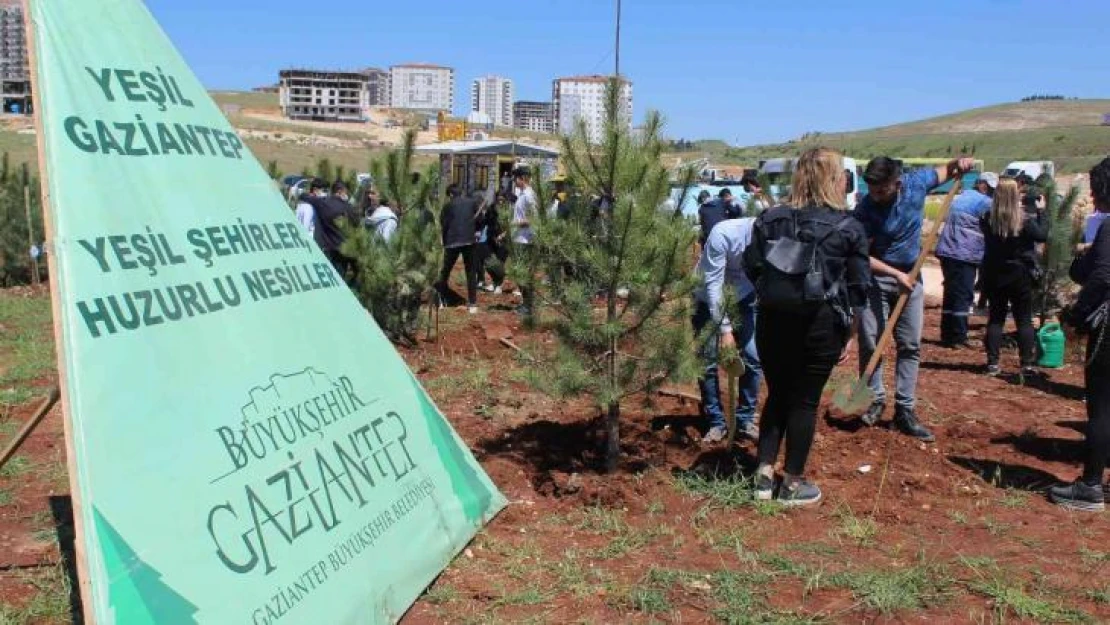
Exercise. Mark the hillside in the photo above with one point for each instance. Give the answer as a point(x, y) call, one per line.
point(1066, 131)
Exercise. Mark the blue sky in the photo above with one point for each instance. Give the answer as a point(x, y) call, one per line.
point(739, 70)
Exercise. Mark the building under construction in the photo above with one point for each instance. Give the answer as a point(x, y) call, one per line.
point(324, 96)
point(15, 78)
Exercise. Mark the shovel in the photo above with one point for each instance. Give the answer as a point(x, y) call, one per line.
point(853, 399)
point(733, 368)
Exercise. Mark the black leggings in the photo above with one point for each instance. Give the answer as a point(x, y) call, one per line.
point(799, 352)
point(1097, 378)
point(1018, 298)
point(486, 251)
point(450, 257)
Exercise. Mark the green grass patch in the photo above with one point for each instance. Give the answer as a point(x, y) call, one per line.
point(895, 590)
point(5, 497)
point(1014, 498)
point(649, 600)
point(1100, 595)
point(859, 530)
point(442, 594)
point(15, 467)
point(1011, 599)
point(26, 345)
point(720, 491)
point(48, 604)
point(531, 595)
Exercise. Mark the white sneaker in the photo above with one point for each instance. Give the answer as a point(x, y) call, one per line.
point(472, 310)
point(488, 288)
point(497, 290)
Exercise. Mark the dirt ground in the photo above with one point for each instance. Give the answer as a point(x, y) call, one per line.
point(953, 532)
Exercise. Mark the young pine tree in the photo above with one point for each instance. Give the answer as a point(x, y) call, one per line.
point(1059, 249)
point(395, 276)
point(618, 273)
point(15, 240)
point(324, 170)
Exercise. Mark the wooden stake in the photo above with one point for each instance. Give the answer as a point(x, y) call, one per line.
point(30, 235)
point(84, 584)
point(25, 431)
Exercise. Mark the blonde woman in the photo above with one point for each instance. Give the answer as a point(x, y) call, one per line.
point(809, 262)
point(1009, 271)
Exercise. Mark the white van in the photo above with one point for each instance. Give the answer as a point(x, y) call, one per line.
point(779, 170)
point(1033, 169)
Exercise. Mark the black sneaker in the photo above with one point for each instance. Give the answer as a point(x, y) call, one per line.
point(764, 488)
point(994, 371)
point(873, 414)
point(1078, 496)
point(906, 422)
point(798, 493)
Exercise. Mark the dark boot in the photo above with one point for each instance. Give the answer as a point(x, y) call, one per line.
point(906, 421)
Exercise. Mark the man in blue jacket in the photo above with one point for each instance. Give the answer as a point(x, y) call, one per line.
point(893, 213)
point(960, 250)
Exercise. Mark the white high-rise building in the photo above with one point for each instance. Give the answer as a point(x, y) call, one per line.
point(583, 97)
point(493, 95)
point(422, 86)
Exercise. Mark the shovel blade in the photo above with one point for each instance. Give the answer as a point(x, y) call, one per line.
point(853, 400)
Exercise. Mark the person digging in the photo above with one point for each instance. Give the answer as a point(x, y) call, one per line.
point(892, 213)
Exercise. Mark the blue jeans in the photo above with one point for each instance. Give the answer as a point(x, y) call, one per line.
point(882, 297)
point(744, 332)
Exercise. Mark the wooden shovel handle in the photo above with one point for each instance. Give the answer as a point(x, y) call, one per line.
point(25, 431)
point(926, 249)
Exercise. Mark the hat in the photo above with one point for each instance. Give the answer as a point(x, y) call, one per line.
point(724, 192)
point(990, 178)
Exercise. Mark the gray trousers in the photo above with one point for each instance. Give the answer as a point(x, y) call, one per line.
point(882, 297)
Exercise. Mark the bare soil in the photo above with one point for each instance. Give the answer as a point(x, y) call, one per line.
point(954, 532)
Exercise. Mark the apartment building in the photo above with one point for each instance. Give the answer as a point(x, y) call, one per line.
point(324, 95)
point(583, 97)
point(378, 86)
point(493, 96)
point(15, 78)
point(422, 86)
point(534, 116)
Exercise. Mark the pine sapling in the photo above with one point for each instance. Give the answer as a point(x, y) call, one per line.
point(618, 277)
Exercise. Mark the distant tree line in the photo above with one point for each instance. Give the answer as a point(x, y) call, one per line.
point(1034, 98)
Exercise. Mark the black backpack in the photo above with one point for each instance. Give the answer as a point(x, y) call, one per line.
point(794, 276)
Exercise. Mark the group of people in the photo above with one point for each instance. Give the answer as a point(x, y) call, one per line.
point(471, 229)
point(809, 278)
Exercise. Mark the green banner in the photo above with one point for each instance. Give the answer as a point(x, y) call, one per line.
point(248, 447)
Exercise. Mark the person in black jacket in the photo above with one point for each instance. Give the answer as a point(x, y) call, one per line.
point(1092, 270)
point(456, 221)
point(801, 341)
point(488, 237)
point(1009, 263)
point(713, 212)
point(330, 211)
